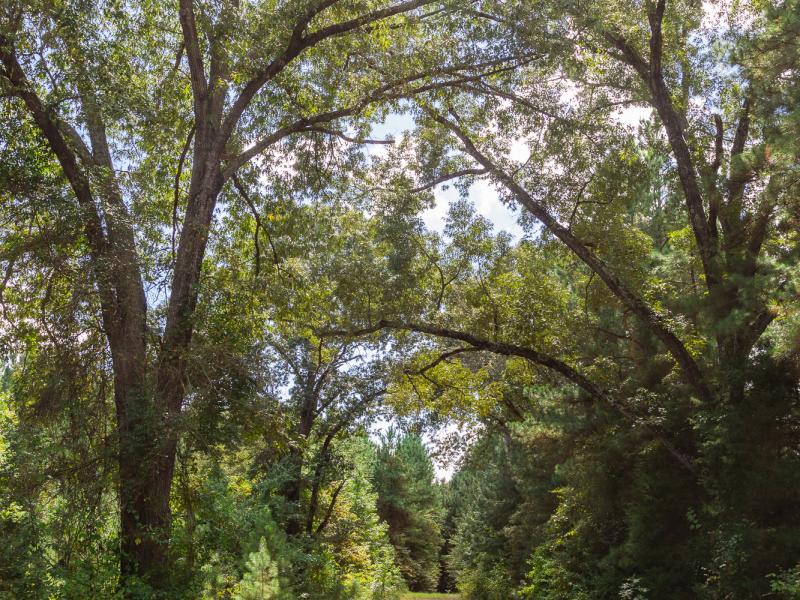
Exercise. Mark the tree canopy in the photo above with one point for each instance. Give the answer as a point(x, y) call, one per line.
point(222, 288)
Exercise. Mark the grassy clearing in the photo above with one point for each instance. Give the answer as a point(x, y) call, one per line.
point(427, 596)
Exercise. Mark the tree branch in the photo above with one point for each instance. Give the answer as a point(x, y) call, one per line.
point(347, 138)
point(193, 52)
point(654, 321)
point(328, 513)
point(371, 17)
point(506, 349)
point(652, 75)
point(739, 174)
point(298, 43)
point(47, 122)
point(443, 357)
point(178, 174)
point(478, 343)
point(254, 211)
point(447, 177)
point(323, 452)
point(714, 196)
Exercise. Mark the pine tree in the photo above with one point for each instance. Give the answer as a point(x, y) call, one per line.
point(260, 581)
point(410, 504)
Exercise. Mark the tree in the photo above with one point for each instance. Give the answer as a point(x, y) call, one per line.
point(729, 214)
point(677, 233)
point(409, 503)
point(102, 87)
point(503, 497)
point(260, 581)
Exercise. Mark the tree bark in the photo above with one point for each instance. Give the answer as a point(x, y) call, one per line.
point(143, 505)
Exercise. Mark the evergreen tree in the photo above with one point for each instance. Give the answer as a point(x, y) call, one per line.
point(260, 581)
point(410, 503)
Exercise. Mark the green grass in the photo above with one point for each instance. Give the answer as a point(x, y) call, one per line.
point(427, 596)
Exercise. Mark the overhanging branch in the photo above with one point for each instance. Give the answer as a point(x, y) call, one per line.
point(530, 354)
point(653, 320)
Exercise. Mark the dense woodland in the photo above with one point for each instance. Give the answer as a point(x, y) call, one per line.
point(233, 353)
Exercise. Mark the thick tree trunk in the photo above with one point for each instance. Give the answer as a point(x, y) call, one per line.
point(297, 459)
point(146, 464)
point(294, 491)
point(144, 483)
point(144, 461)
point(144, 514)
point(148, 432)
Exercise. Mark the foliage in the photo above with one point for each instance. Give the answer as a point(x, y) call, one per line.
point(411, 507)
point(217, 283)
point(260, 581)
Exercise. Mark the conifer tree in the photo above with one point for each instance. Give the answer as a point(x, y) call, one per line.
point(260, 581)
point(410, 504)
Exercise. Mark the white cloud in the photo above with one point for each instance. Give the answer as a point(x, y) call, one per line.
point(519, 151)
point(435, 216)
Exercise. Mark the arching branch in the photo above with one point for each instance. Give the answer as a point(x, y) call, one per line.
point(530, 354)
point(649, 317)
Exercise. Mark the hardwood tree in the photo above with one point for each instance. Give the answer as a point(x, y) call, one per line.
point(150, 114)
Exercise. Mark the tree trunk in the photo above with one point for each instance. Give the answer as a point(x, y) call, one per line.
point(144, 482)
point(294, 490)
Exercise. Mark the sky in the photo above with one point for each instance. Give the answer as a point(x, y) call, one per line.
point(481, 193)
